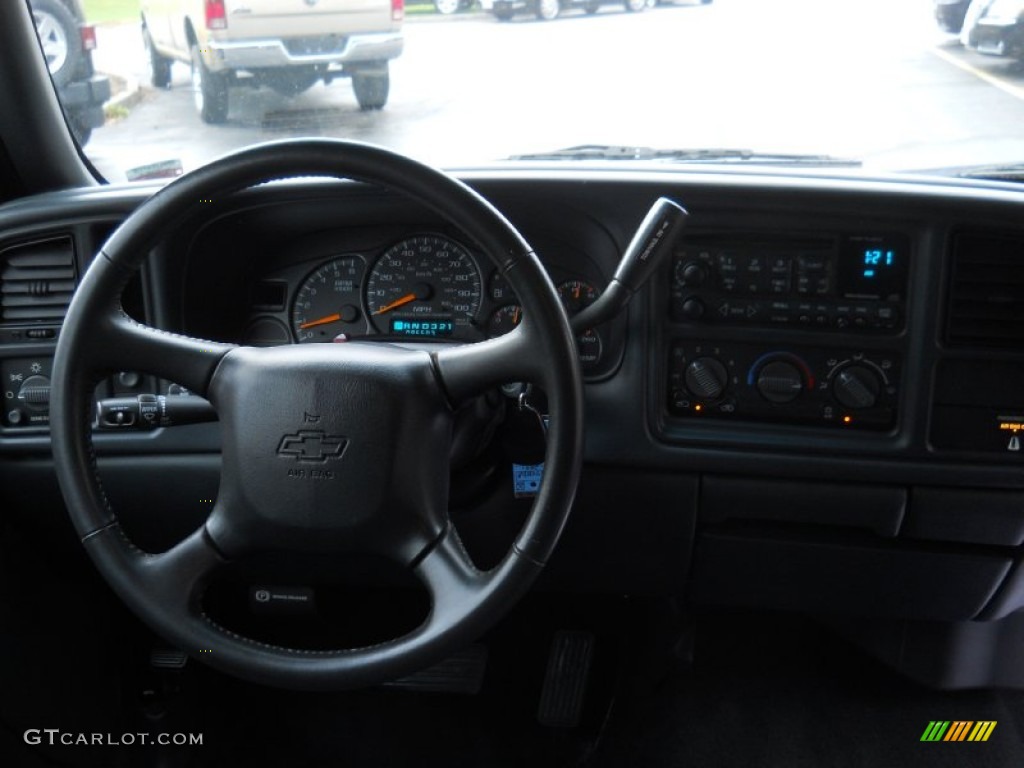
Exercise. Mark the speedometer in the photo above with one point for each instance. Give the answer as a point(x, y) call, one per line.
point(427, 286)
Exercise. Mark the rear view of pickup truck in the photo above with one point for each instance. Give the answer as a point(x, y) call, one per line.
point(287, 45)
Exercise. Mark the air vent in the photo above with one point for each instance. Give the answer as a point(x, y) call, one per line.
point(987, 292)
point(36, 281)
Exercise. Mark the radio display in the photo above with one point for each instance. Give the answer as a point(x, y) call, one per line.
point(873, 267)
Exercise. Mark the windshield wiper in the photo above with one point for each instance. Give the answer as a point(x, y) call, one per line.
point(1000, 172)
point(740, 156)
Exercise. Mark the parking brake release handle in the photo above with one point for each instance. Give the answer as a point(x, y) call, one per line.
point(651, 244)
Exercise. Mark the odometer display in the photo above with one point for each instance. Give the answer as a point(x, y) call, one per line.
point(429, 277)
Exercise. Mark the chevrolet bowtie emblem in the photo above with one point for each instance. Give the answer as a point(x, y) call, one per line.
point(312, 446)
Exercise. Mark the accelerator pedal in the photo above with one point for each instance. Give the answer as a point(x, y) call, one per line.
point(565, 683)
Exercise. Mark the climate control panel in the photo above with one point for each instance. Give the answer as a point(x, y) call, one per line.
point(818, 386)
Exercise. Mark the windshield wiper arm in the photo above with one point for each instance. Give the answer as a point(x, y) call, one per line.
point(626, 152)
point(1006, 172)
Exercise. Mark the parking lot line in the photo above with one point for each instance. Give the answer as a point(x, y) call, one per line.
point(988, 77)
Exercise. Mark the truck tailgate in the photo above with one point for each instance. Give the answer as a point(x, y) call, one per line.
point(248, 19)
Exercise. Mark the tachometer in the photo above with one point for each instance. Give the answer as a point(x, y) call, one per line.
point(327, 301)
point(427, 285)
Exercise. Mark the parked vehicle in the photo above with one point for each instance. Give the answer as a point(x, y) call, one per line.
point(547, 10)
point(996, 28)
point(950, 14)
point(68, 43)
point(287, 46)
point(448, 7)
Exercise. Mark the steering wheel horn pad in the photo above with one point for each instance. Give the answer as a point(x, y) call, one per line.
point(331, 448)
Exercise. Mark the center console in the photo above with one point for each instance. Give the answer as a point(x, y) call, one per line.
point(800, 330)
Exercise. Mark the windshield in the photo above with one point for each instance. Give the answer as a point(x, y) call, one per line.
point(154, 87)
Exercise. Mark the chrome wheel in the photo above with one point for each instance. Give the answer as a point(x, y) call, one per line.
point(548, 9)
point(54, 40)
point(197, 86)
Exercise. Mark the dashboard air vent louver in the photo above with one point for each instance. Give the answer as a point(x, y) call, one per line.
point(37, 280)
point(987, 290)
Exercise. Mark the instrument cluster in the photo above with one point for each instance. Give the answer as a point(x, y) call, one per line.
point(425, 286)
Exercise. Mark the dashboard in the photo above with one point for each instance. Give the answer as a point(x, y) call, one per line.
point(816, 404)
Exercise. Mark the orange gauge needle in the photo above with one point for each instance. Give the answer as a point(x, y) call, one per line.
point(321, 321)
point(396, 303)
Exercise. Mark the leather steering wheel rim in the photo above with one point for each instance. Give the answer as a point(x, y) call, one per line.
point(165, 589)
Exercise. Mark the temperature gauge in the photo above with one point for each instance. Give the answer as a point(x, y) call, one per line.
point(504, 319)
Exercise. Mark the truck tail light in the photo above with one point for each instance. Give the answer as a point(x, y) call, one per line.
point(88, 33)
point(397, 10)
point(216, 15)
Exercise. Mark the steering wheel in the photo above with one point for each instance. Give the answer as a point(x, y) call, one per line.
point(383, 426)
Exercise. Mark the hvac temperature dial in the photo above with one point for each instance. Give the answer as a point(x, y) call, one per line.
point(780, 381)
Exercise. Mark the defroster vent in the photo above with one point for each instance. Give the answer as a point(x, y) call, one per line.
point(37, 280)
point(987, 290)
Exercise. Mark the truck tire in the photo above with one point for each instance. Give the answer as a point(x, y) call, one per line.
point(592, 6)
point(371, 89)
point(635, 6)
point(80, 129)
point(59, 36)
point(503, 11)
point(548, 10)
point(209, 90)
point(159, 66)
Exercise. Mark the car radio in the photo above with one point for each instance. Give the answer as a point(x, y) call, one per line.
point(854, 282)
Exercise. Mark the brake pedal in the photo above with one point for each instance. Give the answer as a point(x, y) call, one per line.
point(565, 682)
point(460, 673)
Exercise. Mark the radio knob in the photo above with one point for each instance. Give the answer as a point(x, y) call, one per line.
point(856, 386)
point(706, 378)
point(691, 273)
point(780, 382)
point(692, 308)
